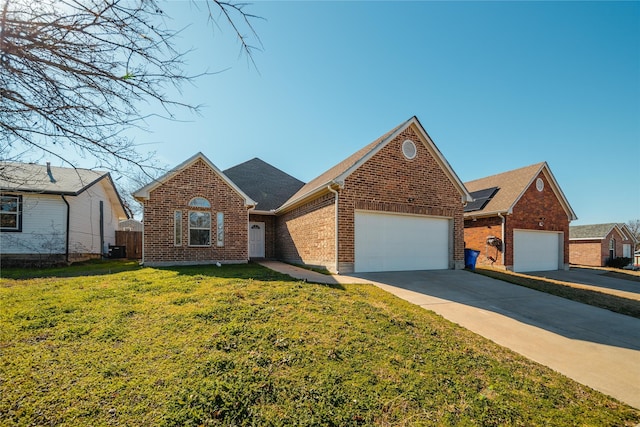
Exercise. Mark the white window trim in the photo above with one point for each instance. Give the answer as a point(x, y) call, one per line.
point(208, 229)
point(177, 228)
point(17, 213)
point(220, 229)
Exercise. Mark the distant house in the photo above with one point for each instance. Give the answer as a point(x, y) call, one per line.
point(54, 214)
point(130, 225)
point(596, 244)
point(519, 220)
point(395, 204)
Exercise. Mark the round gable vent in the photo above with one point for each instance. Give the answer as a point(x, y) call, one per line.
point(409, 149)
point(539, 184)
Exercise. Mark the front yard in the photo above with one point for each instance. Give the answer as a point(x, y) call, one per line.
point(242, 345)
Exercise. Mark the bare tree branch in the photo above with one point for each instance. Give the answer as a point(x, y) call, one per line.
point(73, 74)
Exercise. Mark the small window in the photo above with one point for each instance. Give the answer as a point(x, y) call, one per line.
point(199, 229)
point(10, 213)
point(199, 202)
point(177, 228)
point(409, 149)
point(220, 228)
point(539, 184)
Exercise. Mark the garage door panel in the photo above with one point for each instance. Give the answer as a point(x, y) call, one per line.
point(535, 251)
point(388, 242)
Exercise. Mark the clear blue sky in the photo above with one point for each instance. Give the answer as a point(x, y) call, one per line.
point(497, 85)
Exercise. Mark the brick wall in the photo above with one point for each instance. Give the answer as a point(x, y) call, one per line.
point(197, 180)
point(476, 234)
point(587, 252)
point(387, 182)
point(534, 207)
point(306, 234)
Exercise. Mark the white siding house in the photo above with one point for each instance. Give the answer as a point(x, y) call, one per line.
point(52, 214)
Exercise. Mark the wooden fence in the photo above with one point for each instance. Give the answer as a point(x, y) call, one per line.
point(132, 240)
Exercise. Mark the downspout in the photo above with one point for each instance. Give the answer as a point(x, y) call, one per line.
point(336, 226)
point(504, 244)
point(66, 245)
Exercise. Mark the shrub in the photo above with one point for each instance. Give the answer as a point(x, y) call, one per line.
point(619, 262)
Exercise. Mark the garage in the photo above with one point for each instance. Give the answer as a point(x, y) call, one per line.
point(396, 242)
point(536, 250)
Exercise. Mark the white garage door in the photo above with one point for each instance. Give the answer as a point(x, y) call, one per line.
point(389, 242)
point(536, 251)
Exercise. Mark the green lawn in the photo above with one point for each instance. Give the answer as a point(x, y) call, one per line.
point(241, 345)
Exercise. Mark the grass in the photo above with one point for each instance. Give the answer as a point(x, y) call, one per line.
point(610, 302)
point(242, 345)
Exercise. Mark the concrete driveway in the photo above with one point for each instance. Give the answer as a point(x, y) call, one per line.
point(597, 280)
point(593, 346)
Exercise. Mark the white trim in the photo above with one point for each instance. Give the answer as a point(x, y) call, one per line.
point(189, 229)
point(177, 225)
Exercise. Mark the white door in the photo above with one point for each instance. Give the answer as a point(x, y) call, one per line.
point(256, 240)
point(536, 251)
point(393, 242)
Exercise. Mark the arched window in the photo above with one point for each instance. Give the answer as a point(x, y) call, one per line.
point(199, 202)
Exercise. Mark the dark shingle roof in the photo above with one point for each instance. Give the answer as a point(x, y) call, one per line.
point(266, 184)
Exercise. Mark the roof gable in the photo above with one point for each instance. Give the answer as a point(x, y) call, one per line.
point(598, 231)
point(144, 192)
point(336, 175)
point(267, 185)
point(511, 187)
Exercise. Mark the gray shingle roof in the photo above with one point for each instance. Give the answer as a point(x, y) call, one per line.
point(592, 231)
point(29, 177)
point(267, 185)
point(511, 185)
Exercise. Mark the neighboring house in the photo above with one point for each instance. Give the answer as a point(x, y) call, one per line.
point(596, 244)
point(396, 204)
point(130, 225)
point(54, 214)
point(519, 220)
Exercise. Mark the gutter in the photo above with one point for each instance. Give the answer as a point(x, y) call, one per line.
point(336, 227)
point(66, 246)
point(504, 244)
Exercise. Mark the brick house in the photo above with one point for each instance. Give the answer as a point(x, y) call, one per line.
point(596, 244)
point(519, 220)
point(396, 204)
point(194, 214)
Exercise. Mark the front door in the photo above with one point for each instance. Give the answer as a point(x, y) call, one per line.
point(256, 240)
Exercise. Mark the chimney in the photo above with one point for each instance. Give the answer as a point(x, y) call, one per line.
point(51, 178)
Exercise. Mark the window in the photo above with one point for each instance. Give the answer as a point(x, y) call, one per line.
point(199, 228)
point(177, 228)
point(612, 249)
point(199, 202)
point(220, 228)
point(10, 213)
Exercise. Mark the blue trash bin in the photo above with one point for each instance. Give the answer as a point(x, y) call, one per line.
point(470, 257)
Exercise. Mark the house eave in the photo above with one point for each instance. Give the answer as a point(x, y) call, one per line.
point(317, 192)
